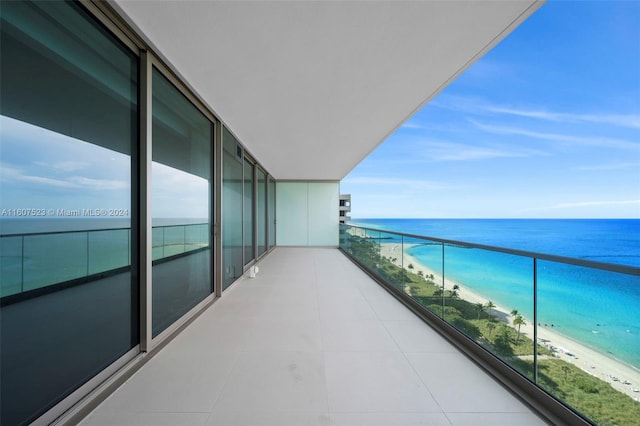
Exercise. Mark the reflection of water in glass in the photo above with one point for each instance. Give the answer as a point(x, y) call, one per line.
point(34, 261)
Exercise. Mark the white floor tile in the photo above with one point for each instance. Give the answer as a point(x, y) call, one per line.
point(356, 335)
point(460, 386)
point(390, 419)
point(284, 335)
point(173, 381)
point(416, 336)
point(146, 419)
point(387, 308)
point(373, 382)
point(275, 381)
point(495, 419)
point(271, 418)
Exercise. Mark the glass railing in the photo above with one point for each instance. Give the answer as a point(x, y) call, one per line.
point(38, 260)
point(567, 325)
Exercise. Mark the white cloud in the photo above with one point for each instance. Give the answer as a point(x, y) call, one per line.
point(593, 203)
point(583, 204)
point(611, 166)
point(79, 182)
point(451, 151)
point(556, 137)
point(399, 183)
point(411, 125)
point(65, 166)
point(9, 173)
point(98, 184)
point(624, 120)
point(479, 106)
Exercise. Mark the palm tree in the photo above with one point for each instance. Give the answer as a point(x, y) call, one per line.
point(490, 305)
point(480, 309)
point(410, 266)
point(490, 327)
point(453, 293)
point(514, 312)
point(519, 321)
point(565, 370)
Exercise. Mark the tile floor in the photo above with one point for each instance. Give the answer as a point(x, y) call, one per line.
point(310, 341)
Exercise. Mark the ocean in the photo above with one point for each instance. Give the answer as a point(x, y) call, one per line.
point(599, 309)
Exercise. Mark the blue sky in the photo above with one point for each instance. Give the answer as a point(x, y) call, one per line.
point(546, 125)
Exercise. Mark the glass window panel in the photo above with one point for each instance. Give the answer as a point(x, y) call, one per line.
point(68, 123)
point(247, 215)
point(181, 200)
point(231, 209)
point(272, 213)
point(261, 220)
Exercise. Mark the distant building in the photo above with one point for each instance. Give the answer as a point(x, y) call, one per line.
point(345, 208)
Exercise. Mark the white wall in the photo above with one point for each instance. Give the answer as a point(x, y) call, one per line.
point(307, 213)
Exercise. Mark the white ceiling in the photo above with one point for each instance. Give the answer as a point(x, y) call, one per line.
point(312, 87)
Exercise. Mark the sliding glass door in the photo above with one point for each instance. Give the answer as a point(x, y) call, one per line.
point(68, 123)
point(181, 204)
point(261, 218)
point(232, 175)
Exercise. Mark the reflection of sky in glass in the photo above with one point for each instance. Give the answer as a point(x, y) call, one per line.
point(41, 169)
point(178, 194)
point(46, 170)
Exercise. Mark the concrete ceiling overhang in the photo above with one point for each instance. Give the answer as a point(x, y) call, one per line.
point(312, 87)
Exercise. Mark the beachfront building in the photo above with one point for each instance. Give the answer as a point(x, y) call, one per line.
point(344, 208)
point(154, 153)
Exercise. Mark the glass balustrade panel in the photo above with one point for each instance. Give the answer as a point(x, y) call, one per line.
point(196, 237)
point(389, 262)
point(589, 338)
point(174, 240)
point(105, 250)
point(423, 272)
point(157, 242)
point(488, 296)
point(11, 264)
point(45, 263)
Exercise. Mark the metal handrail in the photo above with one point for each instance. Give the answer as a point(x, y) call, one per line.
point(94, 230)
point(611, 267)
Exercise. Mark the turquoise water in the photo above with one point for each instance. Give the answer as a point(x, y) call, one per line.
point(600, 309)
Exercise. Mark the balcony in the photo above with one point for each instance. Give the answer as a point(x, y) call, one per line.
point(312, 340)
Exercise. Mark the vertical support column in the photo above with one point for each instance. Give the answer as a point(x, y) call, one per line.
point(144, 178)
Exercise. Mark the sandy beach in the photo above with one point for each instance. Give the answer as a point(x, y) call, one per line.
point(612, 371)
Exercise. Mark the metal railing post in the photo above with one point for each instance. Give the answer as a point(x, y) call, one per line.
point(535, 320)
